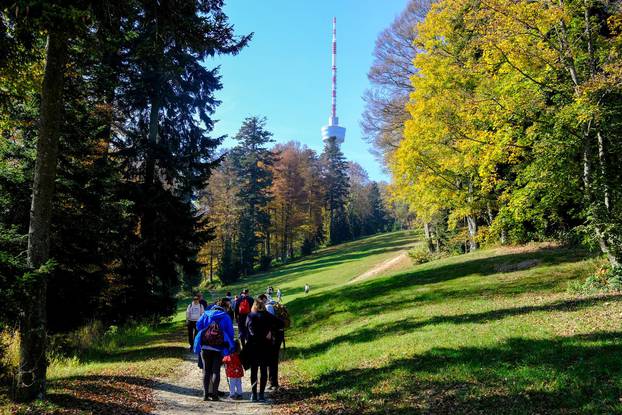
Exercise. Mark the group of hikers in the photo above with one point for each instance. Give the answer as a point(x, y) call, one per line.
point(261, 325)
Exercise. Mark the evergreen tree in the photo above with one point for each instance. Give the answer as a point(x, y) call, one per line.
point(253, 161)
point(378, 219)
point(118, 218)
point(336, 185)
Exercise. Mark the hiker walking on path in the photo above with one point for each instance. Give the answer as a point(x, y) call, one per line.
point(193, 313)
point(202, 301)
point(234, 372)
point(261, 327)
point(242, 309)
point(279, 295)
point(306, 288)
point(214, 340)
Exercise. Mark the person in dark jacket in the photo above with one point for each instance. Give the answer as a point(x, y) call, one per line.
point(261, 327)
point(277, 341)
point(242, 308)
point(228, 307)
point(211, 354)
point(202, 301)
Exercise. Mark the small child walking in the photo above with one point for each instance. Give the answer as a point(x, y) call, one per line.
point(234, 372)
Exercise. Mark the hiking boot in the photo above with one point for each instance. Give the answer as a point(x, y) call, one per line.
point(262, 397)
point(206, 397)
point(254, 397)
point(215, 397)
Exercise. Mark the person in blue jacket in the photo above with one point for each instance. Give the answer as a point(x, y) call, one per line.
point(210, 355)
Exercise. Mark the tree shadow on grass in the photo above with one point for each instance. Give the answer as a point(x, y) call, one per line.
point(578, 374)
point(405, 326)
point(102, 394)
point(366, 297)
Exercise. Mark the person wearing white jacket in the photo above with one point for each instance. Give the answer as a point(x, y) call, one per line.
point(193, 313)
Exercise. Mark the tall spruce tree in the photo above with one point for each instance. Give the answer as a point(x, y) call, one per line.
point(253, 160)
point(167, 96)
point(336, 185)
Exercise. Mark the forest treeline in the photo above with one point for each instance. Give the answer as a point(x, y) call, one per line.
point(107, 209)
point(271, 203)
point(105, 115)
point(501, 120)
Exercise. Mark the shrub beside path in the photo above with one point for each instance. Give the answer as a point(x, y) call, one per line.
point(183, 394)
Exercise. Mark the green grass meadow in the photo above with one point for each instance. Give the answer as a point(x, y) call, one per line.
point(495, 331)
point(492, 332)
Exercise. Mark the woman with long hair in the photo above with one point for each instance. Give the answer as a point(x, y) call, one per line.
point(262, 327)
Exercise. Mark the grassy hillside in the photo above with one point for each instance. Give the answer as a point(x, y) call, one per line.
point(490, 332)
point(494, 332)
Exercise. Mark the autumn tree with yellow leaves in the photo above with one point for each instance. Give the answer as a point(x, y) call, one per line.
point(513, 124)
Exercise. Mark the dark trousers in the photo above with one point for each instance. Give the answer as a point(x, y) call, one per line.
point(242, 330)
point(263, 379)
point(192, 332)
point(211, 371)
point(273, 366)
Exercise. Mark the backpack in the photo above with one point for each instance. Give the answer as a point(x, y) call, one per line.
point(213, 336)
point(245, 306)
point(283, 314)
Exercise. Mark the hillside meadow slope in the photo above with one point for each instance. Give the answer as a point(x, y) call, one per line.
point(495, 331)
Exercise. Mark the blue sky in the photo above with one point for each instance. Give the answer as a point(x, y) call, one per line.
point(284, 74)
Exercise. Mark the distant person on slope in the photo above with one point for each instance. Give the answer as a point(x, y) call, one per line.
point(307, 288)
point(242, 309)
point(193, 313)
point(279, 295)
point(261, 327)
point(214, 340)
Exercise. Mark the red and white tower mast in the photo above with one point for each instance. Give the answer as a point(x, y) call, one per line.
point(333, 131)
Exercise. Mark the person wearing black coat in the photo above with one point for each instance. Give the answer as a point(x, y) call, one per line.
point(261, 327)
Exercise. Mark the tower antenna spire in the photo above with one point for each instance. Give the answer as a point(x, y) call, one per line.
point(334, 69)
point(333, 132)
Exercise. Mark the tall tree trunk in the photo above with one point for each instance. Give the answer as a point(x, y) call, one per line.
point(471, 223)
point(268, 248)
point(588, 178)
point(32, 359)
point(472, 227)
point(504, 237)
point(211, 263)
point(428, 237)
point(153, 140)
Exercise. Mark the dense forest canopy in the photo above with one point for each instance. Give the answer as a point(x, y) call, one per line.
point(511, 127)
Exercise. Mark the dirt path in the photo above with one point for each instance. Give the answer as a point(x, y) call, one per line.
point(397, 262)
point(184, 395)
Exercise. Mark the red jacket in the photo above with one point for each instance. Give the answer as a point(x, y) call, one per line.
point(233, 366)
